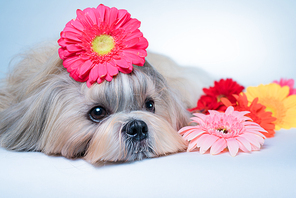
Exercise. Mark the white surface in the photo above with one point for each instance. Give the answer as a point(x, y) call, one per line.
point(268, 173)
point(251, 41)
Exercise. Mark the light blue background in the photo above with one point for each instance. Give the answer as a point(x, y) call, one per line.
point(251, 41)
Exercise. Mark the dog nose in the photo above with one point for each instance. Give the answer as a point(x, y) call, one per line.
point(137, 129)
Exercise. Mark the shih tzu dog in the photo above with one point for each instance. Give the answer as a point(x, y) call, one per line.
point(134, 116)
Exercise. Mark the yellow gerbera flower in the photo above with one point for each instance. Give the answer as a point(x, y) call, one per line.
point(277, 101)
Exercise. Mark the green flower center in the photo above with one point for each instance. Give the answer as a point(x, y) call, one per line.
point(103, 44)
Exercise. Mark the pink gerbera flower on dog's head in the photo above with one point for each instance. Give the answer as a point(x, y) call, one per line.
point(100, 42)
point(232, 130)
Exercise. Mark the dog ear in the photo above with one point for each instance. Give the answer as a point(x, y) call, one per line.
point(24, 98)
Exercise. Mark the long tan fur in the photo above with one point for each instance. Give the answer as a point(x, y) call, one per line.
point(43, 109)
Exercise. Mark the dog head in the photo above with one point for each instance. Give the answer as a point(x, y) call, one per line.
point(132, 117)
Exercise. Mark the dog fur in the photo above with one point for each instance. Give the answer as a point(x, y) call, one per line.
point(43, 109)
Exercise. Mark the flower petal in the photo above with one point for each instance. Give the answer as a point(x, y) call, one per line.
point(252, 139)
point(208, 143)
point(84, 68)
point(90, 14)
point(100, 12)
point(218, 146)
point(111, 16)
point(245, 143)
point(102, 70)
point(131, 25)
point(112, 70)
point(192, 144)
point(136, 60)
point(233, 146)
point(123, 17)
point(93, 75)
point(201, 139)
point(193, 134)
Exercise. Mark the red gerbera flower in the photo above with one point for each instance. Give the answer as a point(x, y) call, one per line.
point(100, 42)
point(224, 88)
point(257, 112)
point(212, 98)
point(206, 103)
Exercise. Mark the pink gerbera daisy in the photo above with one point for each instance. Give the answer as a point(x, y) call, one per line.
point(218, 130)
point(100, 42)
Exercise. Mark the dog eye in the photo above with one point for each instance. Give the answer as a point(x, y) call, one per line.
point(149, 105)
point(96, 114)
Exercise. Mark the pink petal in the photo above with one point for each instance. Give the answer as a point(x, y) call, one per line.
point(252, 139)
point(201, 139)
point(232, 146)
point(76, 77)
point(123, 17)
point(187, 128)
point(112, 70)
point(72, 29)
point(91, 15)
point(254, 148)
point(73, 48)
point(108, 78)
point(102, 70)
point(200, 115)
point(84, 68)
point(208, 143)
point(77, 25)
point(71, 36)
point(143, 43)
point(255, 132)
point(197, 120)
point(112, 15)
point(100, 80)
point(100, 12)
point(63, 53)
point(85, 21)
point(245, 143)
point(122, 63)
point(62, 42)
point(242, 147)
point(126, 70)
point(131, 25)
point(192, 144)
point(254, 127)
point(93, 75)
point(194, 134)
point(131, 42)
point(136, 60)
point(218, 146)
point(131, 35)
point(138, 52)
point(229, 110)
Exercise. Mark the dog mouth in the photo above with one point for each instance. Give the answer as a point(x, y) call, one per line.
point(136, 139)
point(138, 150)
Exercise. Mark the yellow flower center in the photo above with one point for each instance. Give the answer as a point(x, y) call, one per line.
point(103, 44)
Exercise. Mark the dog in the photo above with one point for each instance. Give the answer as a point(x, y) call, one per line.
point(134, 116)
